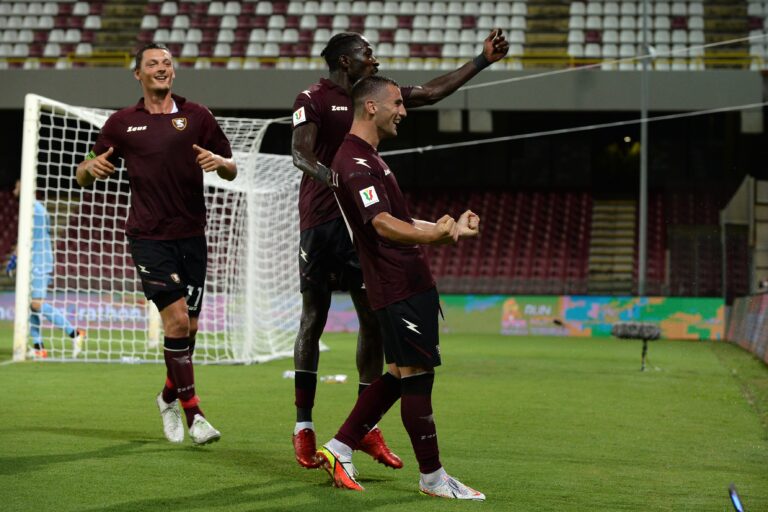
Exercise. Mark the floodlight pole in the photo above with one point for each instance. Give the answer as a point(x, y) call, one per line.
point(642, 239)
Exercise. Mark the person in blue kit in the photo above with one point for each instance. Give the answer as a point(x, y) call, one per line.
point(42, 274)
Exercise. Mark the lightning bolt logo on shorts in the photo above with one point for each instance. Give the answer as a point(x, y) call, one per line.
point(303, 254)
point(411, 326)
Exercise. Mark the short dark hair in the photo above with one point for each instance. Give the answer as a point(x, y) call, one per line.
point(369, 86)
point(150, 46)
point(340, 44)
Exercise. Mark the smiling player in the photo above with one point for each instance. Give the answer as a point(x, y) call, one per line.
point(167, 143)
point(327, 261)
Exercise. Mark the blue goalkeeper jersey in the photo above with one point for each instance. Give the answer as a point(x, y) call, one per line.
point(42, 250)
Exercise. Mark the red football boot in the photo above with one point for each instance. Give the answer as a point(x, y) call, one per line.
point(304, 446)
point(373, 444)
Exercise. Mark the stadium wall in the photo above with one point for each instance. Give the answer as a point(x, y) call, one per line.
point(576, 316)
point(265, 89)
point(748, 324)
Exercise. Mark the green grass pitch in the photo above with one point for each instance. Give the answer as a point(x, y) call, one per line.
point(538, 424)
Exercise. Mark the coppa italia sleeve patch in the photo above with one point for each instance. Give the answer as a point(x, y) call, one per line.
point(299, 116)
point(369, 196)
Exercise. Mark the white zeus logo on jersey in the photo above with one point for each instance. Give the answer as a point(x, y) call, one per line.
point(136, 128)
point(362, 161)
point(387, 172)
point(299, 116)
point(339, 108)
point(410, 325)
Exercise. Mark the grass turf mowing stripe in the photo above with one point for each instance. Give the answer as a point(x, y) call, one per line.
point(535, 423)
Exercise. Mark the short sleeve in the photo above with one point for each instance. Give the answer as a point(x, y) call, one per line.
point(213, 138)
point(368, 194)
point(108, 138)
point(305, 109)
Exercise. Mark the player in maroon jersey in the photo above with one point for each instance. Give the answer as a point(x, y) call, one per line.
point(400, 288)
point(167, 143)
point(327, 261)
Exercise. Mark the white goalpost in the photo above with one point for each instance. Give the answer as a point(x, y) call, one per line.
point(252, 302)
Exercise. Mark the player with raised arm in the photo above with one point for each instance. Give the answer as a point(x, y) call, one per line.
point(167, 143)
point(322, 117)
point(400, 288)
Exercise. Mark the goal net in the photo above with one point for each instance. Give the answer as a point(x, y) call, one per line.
point(252, 302)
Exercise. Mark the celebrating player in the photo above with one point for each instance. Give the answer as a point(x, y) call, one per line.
point(327, 261)
point(167, 143)
point(42, 270)
point(400, 288)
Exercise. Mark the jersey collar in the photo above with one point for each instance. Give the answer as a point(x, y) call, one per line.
point(180, 100)
point(333, 85)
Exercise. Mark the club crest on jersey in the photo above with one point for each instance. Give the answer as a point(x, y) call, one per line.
point(179, 123)
point(369, 196)
point(299, 116)
point(175, 278)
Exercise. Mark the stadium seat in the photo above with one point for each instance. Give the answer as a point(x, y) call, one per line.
point(92, 22)
point(80, 9)
point(232, 8)
point(661, 8)
point(72, 35)
point(662, 37)
point(610, 22)
point(181, 21)
point(611, 37)
point(628, 23)
point(168, 9)
point(679, 9)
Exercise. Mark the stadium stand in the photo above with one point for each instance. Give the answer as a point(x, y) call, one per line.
point(539, 245)
point(409, 34)
point(543, 242)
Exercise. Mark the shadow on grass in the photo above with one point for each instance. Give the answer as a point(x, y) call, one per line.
point(16, 465)
point(280, 492)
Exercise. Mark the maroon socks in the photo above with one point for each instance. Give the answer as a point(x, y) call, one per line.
point(416, 411)
point(180, 377)
point(371, 405)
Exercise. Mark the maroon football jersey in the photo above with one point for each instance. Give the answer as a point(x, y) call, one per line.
point(328, 106)
point(366, 187)
point(166, 182)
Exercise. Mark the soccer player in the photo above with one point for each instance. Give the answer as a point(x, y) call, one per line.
point(167, 143)
point(400, 288)
point(42, 270)
point(327, 261)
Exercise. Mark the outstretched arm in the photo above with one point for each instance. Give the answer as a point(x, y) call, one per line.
point(302, 149)
point(495, 47)
point(444, 231)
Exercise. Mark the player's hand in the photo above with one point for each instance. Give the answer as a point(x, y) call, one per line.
point(100, 167)
point(469, 224)
point(10, 268)
point(495, 46)
point(324, 174)
point(446, 231)
point(208, 160)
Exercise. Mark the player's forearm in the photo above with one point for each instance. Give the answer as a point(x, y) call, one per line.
point(396, 230)
point(309, 165)
point(227, 170)
point(442, 86)
point(83, 177)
